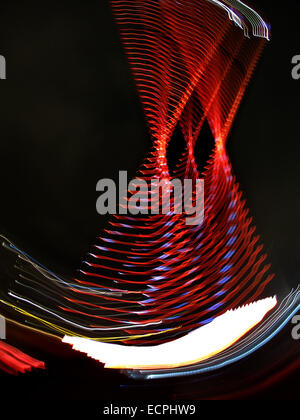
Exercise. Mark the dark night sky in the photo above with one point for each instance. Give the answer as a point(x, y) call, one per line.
point(70, 115)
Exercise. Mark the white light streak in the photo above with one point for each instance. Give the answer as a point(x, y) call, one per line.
point(196, 346)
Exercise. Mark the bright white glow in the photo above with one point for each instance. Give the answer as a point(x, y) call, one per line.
point(196, 346)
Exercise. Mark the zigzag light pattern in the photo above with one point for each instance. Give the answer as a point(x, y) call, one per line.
point(153, 278)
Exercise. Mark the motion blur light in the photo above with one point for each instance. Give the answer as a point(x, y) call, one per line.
point(154, 196)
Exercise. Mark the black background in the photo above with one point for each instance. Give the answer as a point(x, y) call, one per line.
point(70, 115)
